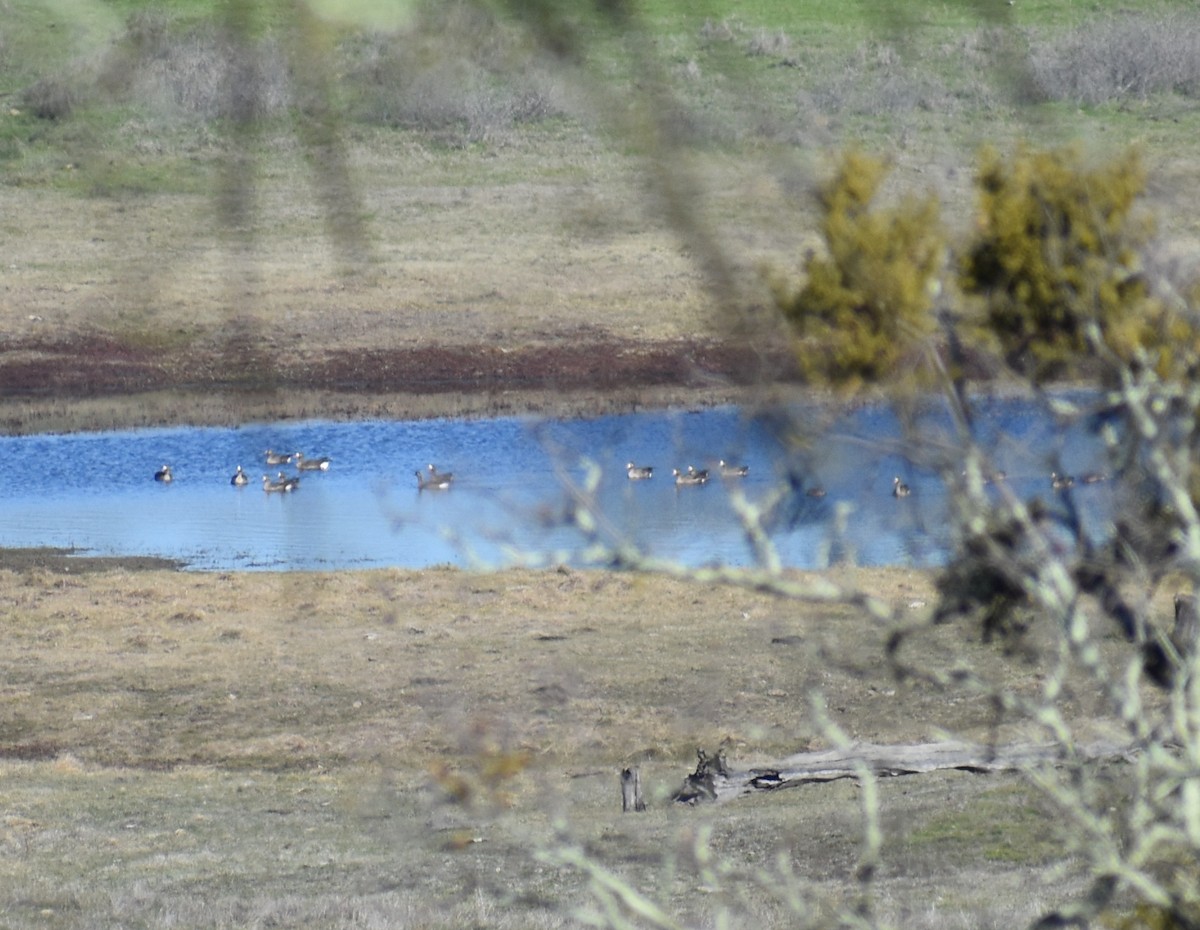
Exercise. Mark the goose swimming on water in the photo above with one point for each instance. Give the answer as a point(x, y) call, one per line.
point(303, 464)
point(1061, 482)
point(239, 478)
point(689, 478)
point(277, 458)
point(434, 482)
point(899, 488)
point(164, 474)
point(639, 472)
point(733, 471)
point(435, 475)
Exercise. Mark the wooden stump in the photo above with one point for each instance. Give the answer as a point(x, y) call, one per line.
point(1187, 626)
point(631, 791)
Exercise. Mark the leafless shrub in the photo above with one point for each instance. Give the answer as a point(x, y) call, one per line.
point(767, 43)
point(205, 72)
point(1121, 58)
point(50, 98)
point(420, 81)
point(727, 30)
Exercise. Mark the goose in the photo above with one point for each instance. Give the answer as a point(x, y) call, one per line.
point(239, 477)
point(692, 477)
point(701, 473)
point(1061, 482)
point(434, 482)
point(303, 464)
point(899, 488)
point(733, 471)
point(277, 458)
point(1094, 477)
point(435, 475)
point(639, 472)
point(815, 492)
point(164, 474)
point(289, 482)
point(271, 486)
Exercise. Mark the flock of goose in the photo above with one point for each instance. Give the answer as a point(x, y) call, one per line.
point(280, 483)
point(434, 480)
point(691, 477)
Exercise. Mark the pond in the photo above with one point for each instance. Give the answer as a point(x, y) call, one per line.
point(97, 493)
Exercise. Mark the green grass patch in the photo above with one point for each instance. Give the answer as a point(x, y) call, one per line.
point(1006, 824)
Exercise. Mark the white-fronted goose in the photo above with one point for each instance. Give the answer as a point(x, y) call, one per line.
point(733, 471)
point(239, 478)
point(1061, 482)
point(274, 485)
point(434, 482)
point(899, 488)
point(277, 458)
point(164, 475)
point(303, 464)
point(639, 472)
point(435, 475)
point(689, 478)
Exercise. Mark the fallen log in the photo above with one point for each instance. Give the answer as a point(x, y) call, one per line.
point(713, 780)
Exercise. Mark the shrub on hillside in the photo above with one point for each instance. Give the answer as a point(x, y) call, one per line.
point(1120, 58)
point(457, 72)
point(50, 98)
point(203, 71)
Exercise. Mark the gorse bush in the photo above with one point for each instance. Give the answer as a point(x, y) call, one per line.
point(866, 304)
point(1056, 262)
point(1052, 279)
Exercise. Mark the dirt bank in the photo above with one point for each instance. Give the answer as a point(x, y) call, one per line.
point(95, 381)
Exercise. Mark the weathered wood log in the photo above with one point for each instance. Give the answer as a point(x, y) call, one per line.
point(631, 791)
point(713, 781)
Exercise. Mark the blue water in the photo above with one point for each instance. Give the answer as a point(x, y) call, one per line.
point(96, 493)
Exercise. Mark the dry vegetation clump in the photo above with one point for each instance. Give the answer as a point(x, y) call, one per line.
point(167, 69)
point(458, 73)
point(1119, 58)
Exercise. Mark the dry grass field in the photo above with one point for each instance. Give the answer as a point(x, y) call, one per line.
point(401, 748)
